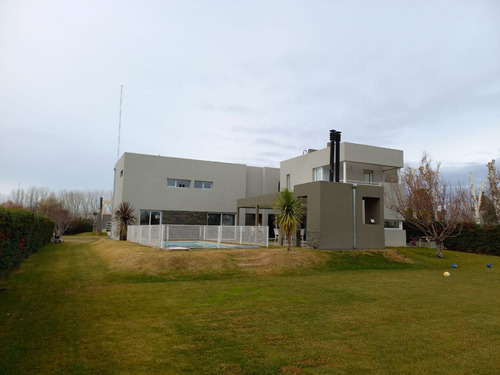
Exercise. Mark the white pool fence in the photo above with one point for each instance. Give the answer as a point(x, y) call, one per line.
point(157, 235)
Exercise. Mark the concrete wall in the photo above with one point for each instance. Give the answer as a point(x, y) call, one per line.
point(142, 181)
point(355, 158)
point(330, 215)
point(364, 154)
point(262, 181)
point(301, 167)
point(394, 237)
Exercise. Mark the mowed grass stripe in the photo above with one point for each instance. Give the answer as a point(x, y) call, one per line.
point(106, 307)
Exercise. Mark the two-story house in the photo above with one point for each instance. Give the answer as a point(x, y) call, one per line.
point(348, 213)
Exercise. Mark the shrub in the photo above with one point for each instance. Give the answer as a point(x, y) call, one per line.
point(21, 234)
point(481, 239)
point(80, 225)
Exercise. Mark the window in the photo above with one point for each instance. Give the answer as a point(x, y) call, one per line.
point(121, 173)
point(321, 174)
point(150, 217)
point(368, 177)
point(221, 219)
point(172, 182)
point(228, 219)
point(370, 210)
point(213, 219)
point(288, 181)
point(392, 224)
point(203, 185)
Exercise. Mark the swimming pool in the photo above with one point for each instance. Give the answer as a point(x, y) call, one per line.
point(204, 245)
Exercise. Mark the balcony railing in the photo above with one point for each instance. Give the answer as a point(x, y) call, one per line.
point(372, 183)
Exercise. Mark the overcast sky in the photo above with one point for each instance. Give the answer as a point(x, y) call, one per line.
point(252, 82)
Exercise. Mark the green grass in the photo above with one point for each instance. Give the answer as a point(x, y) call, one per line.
point(103, 307)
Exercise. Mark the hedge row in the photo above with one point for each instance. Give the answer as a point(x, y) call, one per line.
point(21, 234)
point(80, 225)
point(482, 239)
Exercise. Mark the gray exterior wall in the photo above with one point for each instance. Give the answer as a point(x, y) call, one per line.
point(354, 160)
point(261, 181)
point(142, 181)
point(330, 215)
point(383, 163)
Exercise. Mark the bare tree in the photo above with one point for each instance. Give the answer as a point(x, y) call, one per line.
point(476, 199)
point(54, 209)
point(62, 207)
point(83, 203)
point(494, 182)
point(34, 197)
point(12, 205)
point(427, 204)
point(16, 196)
point(29, 199)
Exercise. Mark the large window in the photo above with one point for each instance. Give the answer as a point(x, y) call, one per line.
point(174, 182)
point(203, 185)
point(150, 217)
point(221, 219)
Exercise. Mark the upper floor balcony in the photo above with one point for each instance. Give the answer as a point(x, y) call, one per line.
point(360, 164)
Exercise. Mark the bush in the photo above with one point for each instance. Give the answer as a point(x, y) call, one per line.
point(21, 234)
point(80, 225)
point(480, 239)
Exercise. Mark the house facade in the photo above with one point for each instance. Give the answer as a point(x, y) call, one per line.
point(348, 213)
point(371, 171)
point(166, 190)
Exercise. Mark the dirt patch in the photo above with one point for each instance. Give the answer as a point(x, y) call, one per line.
point(126, 257)
point(396, 256)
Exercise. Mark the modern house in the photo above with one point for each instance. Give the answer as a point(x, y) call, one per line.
point(166, 190)
point(347, 211)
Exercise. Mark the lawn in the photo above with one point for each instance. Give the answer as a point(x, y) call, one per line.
point(97, 306)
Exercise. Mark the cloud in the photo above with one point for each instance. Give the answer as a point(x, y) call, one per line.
point(249, 82)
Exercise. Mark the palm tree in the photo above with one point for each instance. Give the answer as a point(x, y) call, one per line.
point(289, 214)
point(123, 216)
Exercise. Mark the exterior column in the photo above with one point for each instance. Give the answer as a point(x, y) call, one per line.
point(257, 215)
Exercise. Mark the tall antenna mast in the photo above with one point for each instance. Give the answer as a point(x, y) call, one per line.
point(120, 122)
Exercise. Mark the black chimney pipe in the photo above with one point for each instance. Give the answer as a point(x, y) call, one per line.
point(337, 156)
point(332, 154)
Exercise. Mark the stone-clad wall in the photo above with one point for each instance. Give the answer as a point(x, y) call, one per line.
point(185, 217)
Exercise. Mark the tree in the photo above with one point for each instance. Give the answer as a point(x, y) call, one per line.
point(12, 205)
point(289, 214)
point(54, 209)
point(476, 199)
point(494, 181)
point(429, 205)
point(123, 216)
point(79, 203)
point(488, 214)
